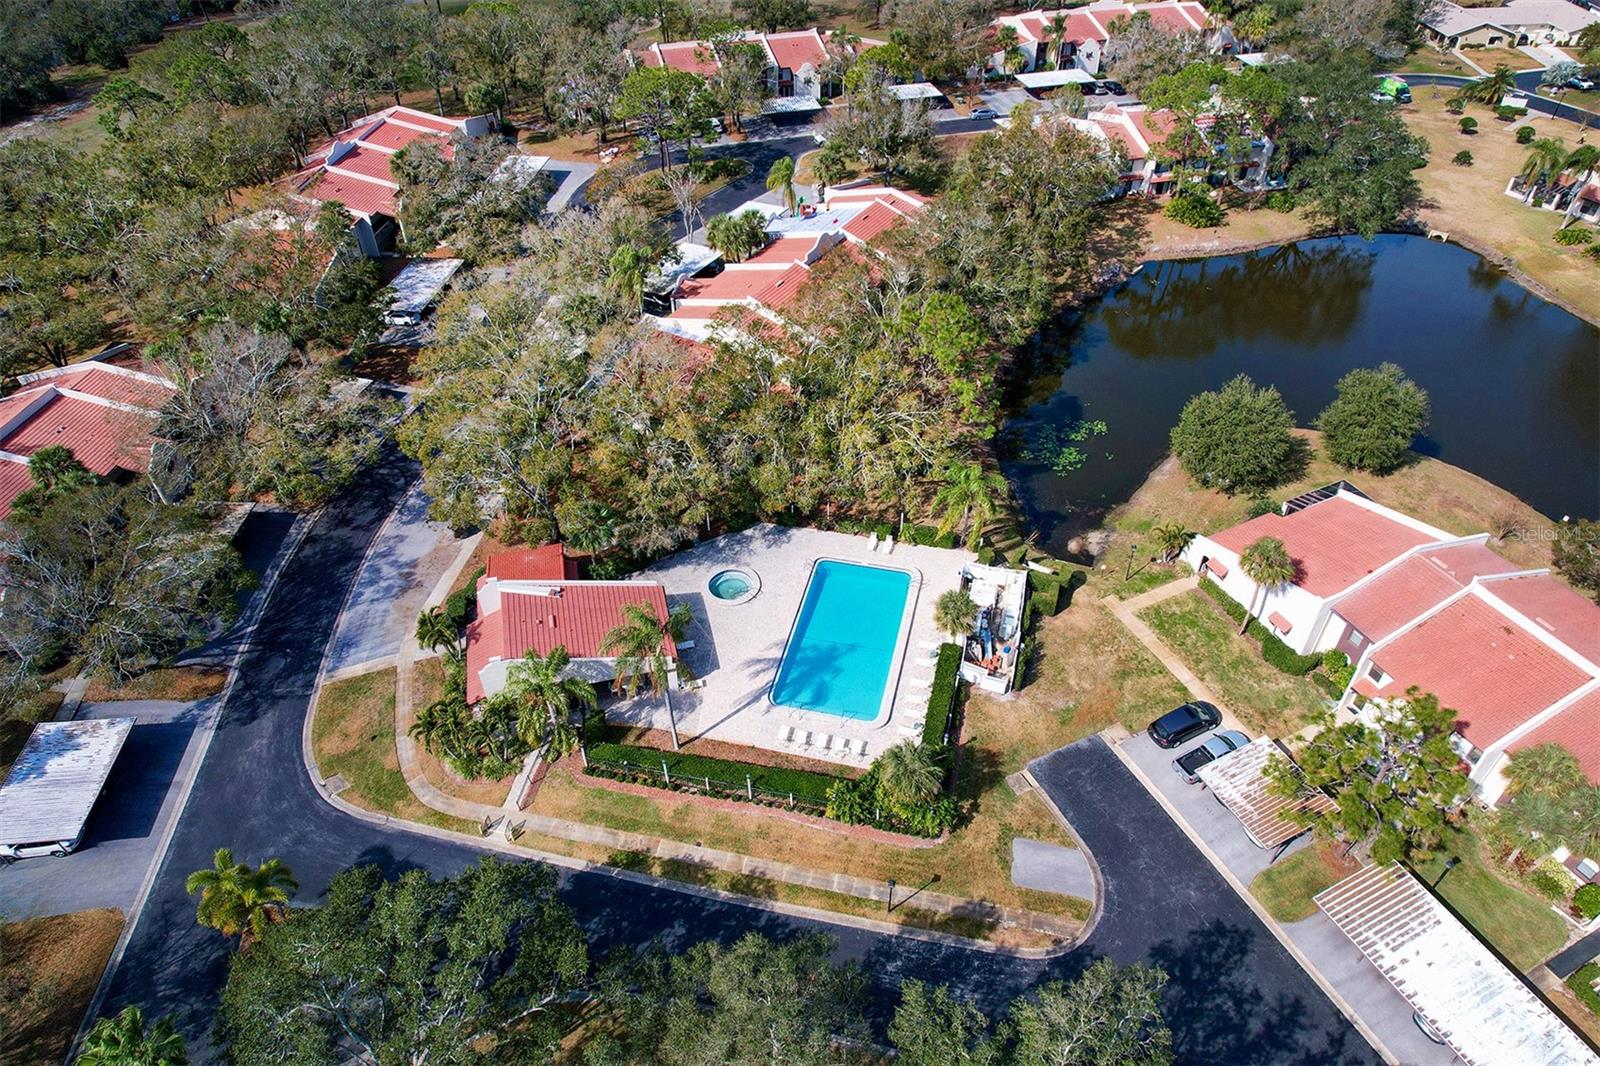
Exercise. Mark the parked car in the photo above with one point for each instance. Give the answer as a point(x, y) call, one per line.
point(1184, 723)
point(983, 112)
point(1188, 764)
point(1115, 88)
point(1580, 83)
point(1092, 88)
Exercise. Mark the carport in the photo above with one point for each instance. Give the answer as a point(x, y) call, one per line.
point(919, 90)
point(1239, 780)
point(1040, 80)
point(53, 785)
point(1483, 1011)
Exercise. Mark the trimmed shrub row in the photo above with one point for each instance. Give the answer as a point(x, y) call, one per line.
point(1582, 985)
point(942, 695)
point(802, 784)
point(1273, 650)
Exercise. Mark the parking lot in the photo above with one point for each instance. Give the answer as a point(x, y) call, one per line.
point(1338, 960)
point(125, 828)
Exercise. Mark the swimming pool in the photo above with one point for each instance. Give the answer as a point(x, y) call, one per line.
point(844, 639)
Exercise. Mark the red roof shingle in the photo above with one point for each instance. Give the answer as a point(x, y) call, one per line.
point(1333, 543)
point(1576, 728)
point(548, 562)
point(1415, 586)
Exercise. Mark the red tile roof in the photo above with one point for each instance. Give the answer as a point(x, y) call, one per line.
point(102, 438)
point(735, 283)
point(1333, 543)
point(696, 57)
point(1414, 586)
point(360, 196)
point(14, 481)
point(1576, 728)
point(878, 216)
point(786, 250)
point(783, 289)
point(369, 162)
point(1570, 618)
point(797, 49)
point(110, 385)
point(1493, 673)
point(548, 562)
point(577, 619)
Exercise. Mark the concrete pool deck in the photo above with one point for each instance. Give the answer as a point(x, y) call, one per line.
point(732, 649)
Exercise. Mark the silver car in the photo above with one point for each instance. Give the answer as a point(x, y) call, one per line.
point(1220, 743)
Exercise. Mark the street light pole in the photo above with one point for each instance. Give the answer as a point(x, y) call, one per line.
point(891, 897)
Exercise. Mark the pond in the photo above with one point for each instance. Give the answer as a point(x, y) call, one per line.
point(1515, 381)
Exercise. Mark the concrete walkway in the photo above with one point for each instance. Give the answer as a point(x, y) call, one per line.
point(1127, 612)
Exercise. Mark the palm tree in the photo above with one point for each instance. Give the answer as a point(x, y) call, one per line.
point(629, 266)
point(955, 613)
point(238, 900)
point(545, 700)
point(831, 166)
point(639, 644)
point(1058, 37)
point(969, 497)
point(1267, 563)
point(1546, 157)
point(441, 727)
point(1492, 87)
point(780, 179)
point(909, 773)
point(1582, 831)
point(125, 1041)
point(1171, 538)
point(729, 236)
point(436, 632)
point(1544, 769)
point(1010, 47)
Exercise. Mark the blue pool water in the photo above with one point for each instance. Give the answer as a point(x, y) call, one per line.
point(843, 642)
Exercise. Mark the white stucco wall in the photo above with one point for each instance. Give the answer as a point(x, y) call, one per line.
point(1304, 612)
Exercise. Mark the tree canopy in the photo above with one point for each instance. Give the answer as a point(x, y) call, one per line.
point(1374, 420)
point(1238, 438)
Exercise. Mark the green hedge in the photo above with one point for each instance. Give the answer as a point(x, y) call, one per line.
point(1044, 592)
point(802, 784)
point(942, 695)
point(1273, 650)
point(458, 605)
point(1582, 985)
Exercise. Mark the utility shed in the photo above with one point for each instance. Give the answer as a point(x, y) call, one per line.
point(416, 288)
point(1482, 1010)
point(53, 785)
point(1239, 780)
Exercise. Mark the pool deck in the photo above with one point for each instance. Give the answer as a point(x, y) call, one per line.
point(736, 647)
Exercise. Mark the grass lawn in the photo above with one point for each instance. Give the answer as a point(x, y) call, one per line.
point(1264, 697)
point(1489, 58)
point(1520, 926)
point(1440, 494)
point(166, 683)
point(352, 736)
point(49, 969)
point(1589, 101)
point(804, 174)
point(1470, 202)
point(1241, 228)
point(1427, 60)
point(1287, 886)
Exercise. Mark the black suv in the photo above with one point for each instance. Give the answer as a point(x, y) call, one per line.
point(1184, 723)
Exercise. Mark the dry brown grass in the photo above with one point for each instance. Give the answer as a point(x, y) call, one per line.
point(49, 969)
point(1241, 230)
point(1440, 494)
point(427, 685)
point(1470, 204)
point(167, 683)
point(1489, 58)
point(352, 737)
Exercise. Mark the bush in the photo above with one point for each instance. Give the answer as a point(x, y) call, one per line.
point(1587, 901)
point(1260, 505)
point(1195, 210)
point(927, 536)
point(1582, 985)
point(1045, 590)
point(1238, 438)
point(1525, 135)
point(459, 604)
point(1455, 105)
point(1468, 124)
point(986, 555)
point(1337, 665)
point(1281, 200)
point(804, 785)
point(1593, 252)
point(1373, 420)
point(1574, 237)
point(1462, 158)
point(1508, 114)
point(1551, 880)
point(1273, 650)
point(942, 695)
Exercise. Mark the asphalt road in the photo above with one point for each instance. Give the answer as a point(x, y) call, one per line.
point(1527, 83)
point(1235, 997)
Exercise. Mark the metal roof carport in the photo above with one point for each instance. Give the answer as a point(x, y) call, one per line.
point(916, 90)
point(1239, 780)
point(1053, 79)
point(1483, 1011)
point(53, 785)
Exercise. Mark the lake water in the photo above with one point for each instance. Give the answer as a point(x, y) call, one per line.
point(1515, 381)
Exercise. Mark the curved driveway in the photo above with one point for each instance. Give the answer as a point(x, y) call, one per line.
point(1235, 996)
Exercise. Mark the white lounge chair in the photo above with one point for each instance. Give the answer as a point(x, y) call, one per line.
point(806, 740)
point(827, 741)
point(872, 542)
point(862, 751)
point(888, 544)
point(785, 734)
point(845, 746)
